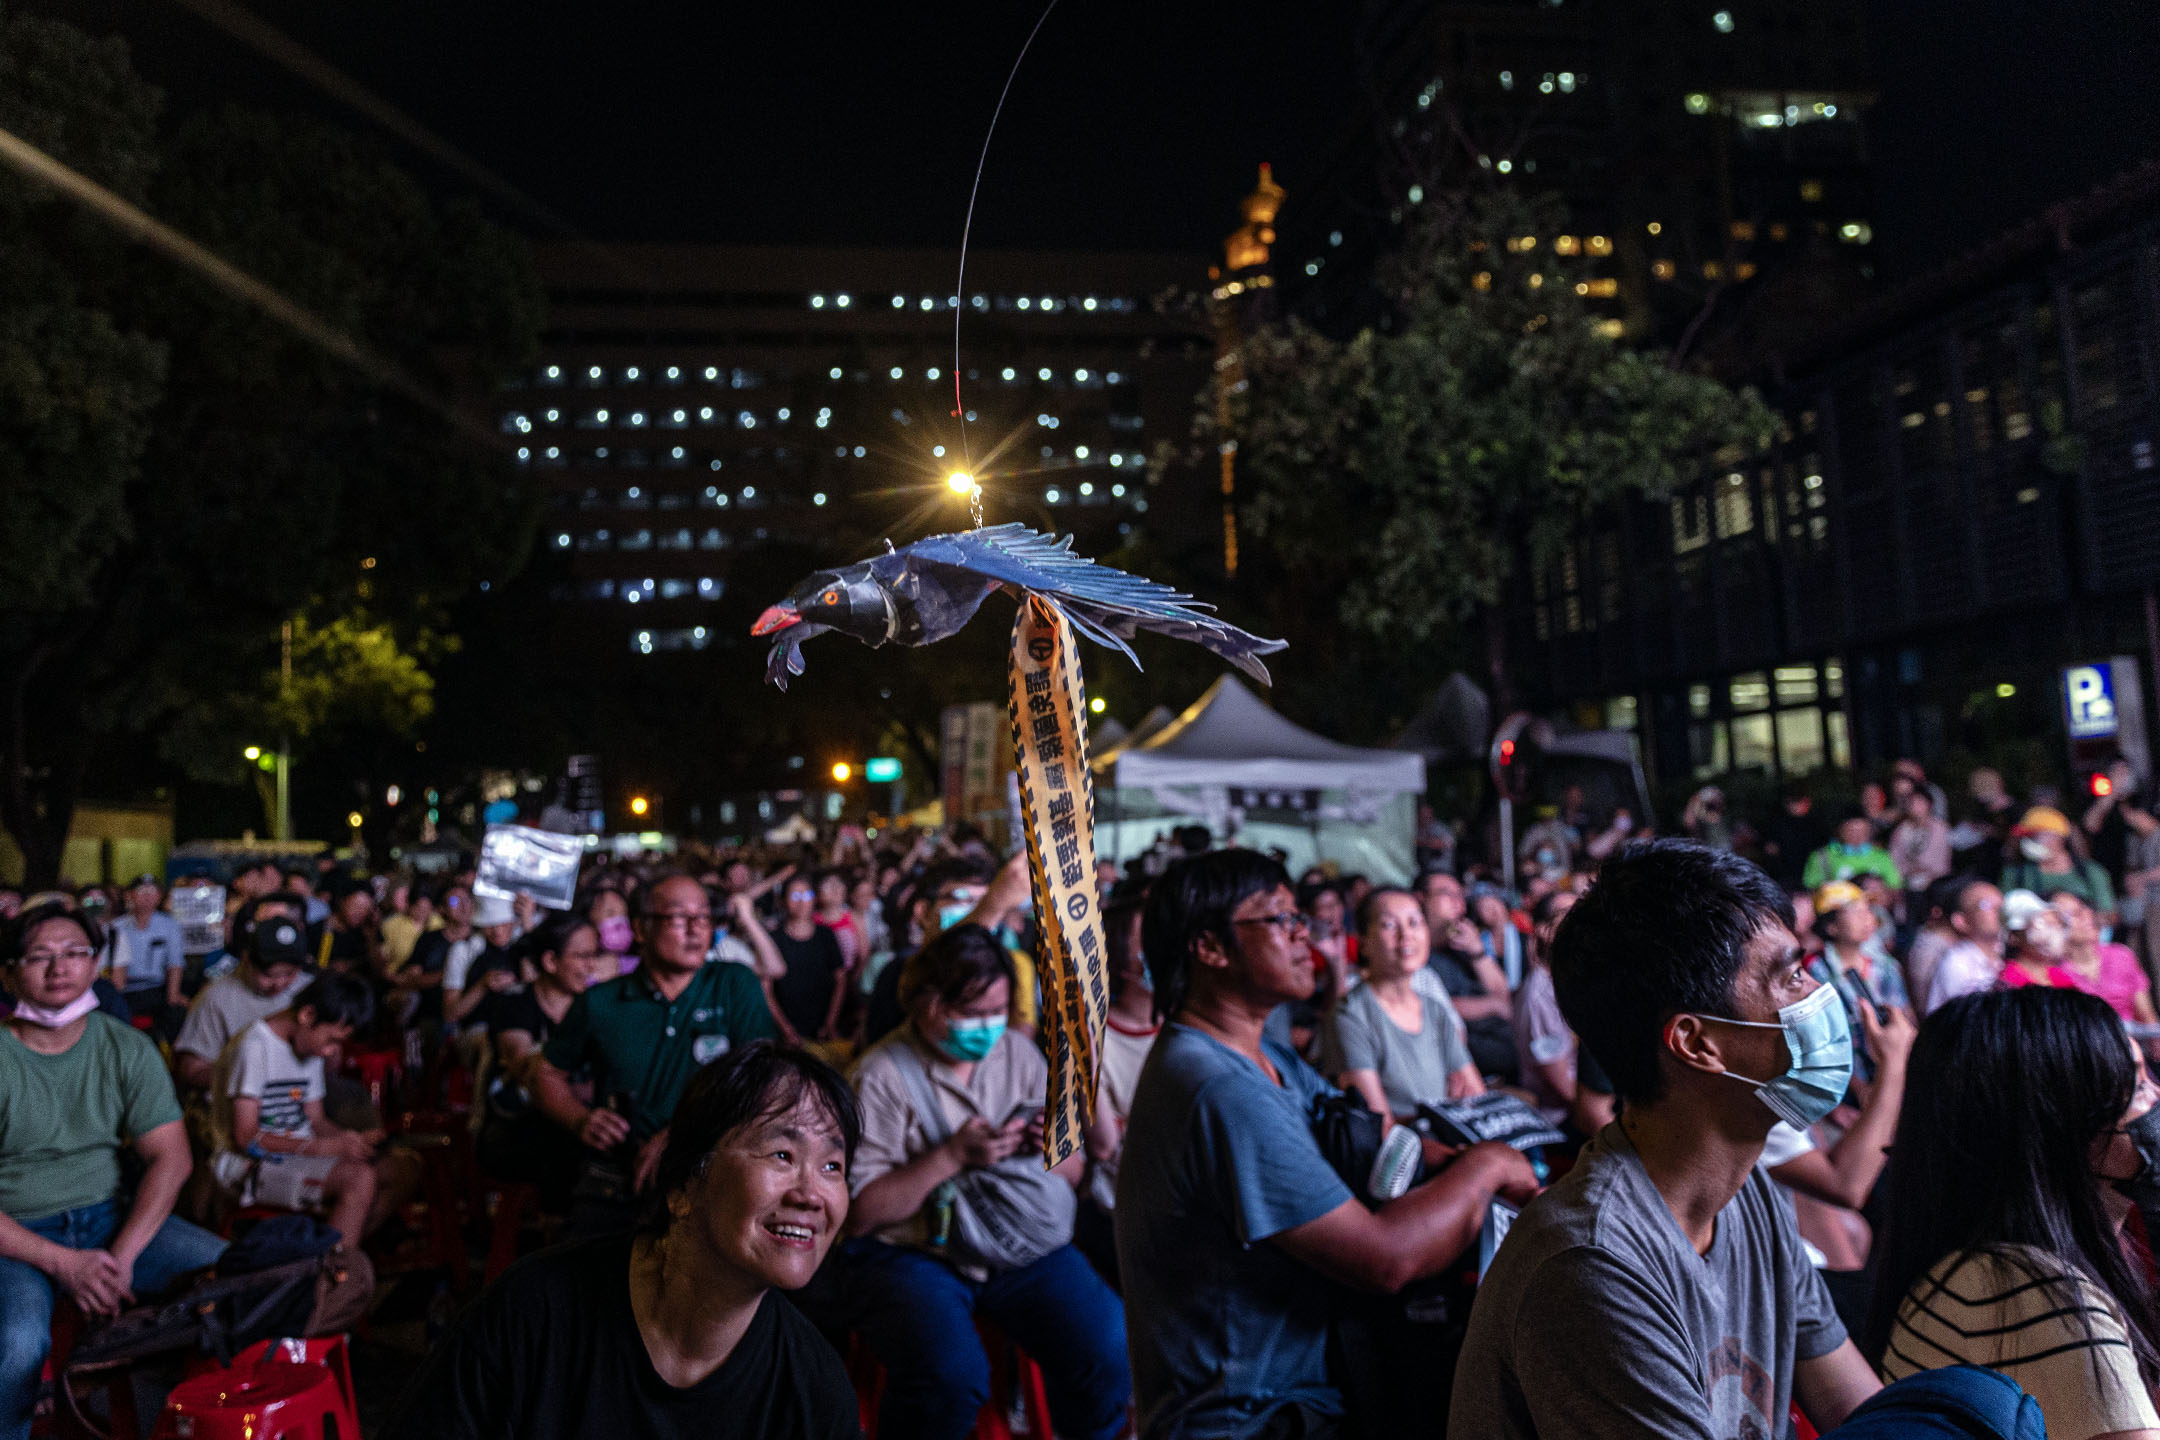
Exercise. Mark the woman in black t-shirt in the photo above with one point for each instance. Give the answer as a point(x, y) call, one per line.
point(807, 999)
point(674, 1331)
point(560, 958)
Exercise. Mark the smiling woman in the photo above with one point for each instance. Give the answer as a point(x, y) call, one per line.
point(675, 1331)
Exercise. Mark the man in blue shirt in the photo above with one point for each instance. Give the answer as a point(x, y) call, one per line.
point(149, 954)
point(1233, 1229)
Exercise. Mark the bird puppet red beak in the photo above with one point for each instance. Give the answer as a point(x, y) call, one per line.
point(776, 617)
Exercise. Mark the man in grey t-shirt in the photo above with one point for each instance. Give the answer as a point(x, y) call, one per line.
point(1660, 1290)
point(277, 956)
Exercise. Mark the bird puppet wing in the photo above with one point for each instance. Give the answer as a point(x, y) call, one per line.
point(1106, 605)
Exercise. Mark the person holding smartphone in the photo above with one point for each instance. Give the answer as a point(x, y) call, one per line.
point(955, 1216)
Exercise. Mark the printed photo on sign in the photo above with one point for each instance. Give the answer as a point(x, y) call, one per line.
point(516, 858)
point(200, 909)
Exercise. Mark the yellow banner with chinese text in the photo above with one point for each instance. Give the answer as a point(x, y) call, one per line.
point(1050, 753)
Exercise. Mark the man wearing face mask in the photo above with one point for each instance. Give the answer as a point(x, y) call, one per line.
point(1661, 1289)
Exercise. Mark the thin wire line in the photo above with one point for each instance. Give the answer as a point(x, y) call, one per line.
point(967, 227)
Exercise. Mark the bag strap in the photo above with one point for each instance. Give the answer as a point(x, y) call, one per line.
point(916, 1076)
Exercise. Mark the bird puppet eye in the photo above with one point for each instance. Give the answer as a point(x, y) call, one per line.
point(830, 597)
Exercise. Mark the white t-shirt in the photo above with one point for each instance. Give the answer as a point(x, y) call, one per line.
point(1124, 1052)
point(1965, 969)
point(259, 1065)
point(458, 959)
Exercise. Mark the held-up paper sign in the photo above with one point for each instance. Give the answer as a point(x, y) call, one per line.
point(541, 864)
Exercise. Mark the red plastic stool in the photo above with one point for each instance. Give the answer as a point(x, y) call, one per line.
point(1016, 1386)
point(1016, 1391)
point(271, 1399)
point(379, 1070)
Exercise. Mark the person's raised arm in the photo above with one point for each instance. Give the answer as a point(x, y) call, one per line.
point(1420, 1234)
point(1009, 887)
point(1830, 1387)
point(771, 964)
point(1846, 1174)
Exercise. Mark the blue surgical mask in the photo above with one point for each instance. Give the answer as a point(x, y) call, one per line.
point(953, 912)
point(969, 1039)
point(1820, 1038)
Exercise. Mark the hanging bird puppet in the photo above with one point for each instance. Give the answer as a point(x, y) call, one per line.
point(922, 593)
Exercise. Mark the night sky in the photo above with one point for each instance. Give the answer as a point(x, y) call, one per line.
point(1135, 124)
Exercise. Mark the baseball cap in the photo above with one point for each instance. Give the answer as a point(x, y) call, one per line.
point(2019, 907)
point(280, 940)
point(1836, 895)
point(2043, 820)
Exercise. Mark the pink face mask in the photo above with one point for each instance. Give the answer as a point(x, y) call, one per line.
point(615, 934)
point(58, 1019)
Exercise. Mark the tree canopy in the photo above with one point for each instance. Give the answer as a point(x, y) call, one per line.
point(183, 475)
point(1408, 471)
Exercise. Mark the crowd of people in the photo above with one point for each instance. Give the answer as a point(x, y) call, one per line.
point(782, 1111)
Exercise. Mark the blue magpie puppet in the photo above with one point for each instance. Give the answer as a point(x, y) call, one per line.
point(922, 593)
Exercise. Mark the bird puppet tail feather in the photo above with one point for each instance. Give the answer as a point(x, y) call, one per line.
point(1111, 628)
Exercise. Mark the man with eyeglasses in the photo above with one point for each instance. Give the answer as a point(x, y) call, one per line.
point(642, 1036)
point(1235, 1233)
point(76, 1088)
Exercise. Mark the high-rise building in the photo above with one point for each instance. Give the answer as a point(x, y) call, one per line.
point(691, 401)
point(1711, 153)
point(1961, 515)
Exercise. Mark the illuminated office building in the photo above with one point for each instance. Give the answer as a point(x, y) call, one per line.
point(691, 401)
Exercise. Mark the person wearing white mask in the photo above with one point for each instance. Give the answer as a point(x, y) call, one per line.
point(77, 1086)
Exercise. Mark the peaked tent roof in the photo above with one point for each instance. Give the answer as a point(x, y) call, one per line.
point(1230, 737)
point(1455, 723)
point(1101, 754)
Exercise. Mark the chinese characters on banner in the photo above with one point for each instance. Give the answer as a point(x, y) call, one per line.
point(1049, 726)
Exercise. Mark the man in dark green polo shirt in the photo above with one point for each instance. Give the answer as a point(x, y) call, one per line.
point(641, 1037)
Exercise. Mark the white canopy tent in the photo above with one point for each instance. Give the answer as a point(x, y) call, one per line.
point(1252, 776)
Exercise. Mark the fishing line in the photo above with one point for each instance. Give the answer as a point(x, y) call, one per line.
point(960, 283)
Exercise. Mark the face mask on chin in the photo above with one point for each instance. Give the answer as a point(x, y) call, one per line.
point(57, 1019)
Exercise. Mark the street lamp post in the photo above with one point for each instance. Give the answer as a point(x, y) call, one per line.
point(282, 824)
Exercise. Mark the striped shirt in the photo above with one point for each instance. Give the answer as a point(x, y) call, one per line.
point(2036, 1320)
